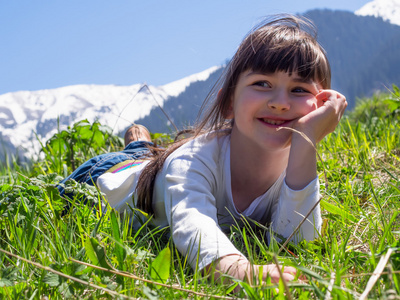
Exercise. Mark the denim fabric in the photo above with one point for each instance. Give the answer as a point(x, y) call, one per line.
point(91, 170)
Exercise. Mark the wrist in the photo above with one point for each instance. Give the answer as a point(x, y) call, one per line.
point(304, 137)
point(302, 164)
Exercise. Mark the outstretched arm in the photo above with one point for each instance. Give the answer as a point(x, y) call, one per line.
point(239, 267)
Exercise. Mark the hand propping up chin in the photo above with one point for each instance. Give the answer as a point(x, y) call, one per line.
point(324, 119)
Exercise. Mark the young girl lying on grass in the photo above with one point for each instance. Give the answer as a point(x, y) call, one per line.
point(238, 164)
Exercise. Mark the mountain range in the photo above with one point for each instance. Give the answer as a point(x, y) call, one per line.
point(360, 47)
point(30, 118)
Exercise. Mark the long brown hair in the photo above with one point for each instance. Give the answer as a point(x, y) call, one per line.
point(282, 43)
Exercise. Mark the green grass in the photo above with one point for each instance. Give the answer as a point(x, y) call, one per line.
point(45, 254)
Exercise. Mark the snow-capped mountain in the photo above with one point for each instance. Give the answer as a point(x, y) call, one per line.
point(27, 113)
point(388, 10)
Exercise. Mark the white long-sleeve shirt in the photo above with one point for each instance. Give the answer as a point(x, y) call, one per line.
point(193, 196)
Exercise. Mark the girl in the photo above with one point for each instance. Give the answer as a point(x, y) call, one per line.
point(240, 162)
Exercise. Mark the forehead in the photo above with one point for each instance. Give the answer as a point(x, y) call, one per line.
point(294, 76)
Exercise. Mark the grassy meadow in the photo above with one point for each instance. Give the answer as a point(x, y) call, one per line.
point(90, 253)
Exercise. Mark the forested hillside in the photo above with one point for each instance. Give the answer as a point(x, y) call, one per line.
point(362, 51)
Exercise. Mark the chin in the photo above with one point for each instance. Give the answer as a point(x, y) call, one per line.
point(277, 144)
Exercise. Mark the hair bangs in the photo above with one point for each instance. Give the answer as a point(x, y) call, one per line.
point(293, 51)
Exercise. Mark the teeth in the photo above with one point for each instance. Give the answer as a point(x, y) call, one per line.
point(273, 122)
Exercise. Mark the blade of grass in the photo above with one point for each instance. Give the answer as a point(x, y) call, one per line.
point(377, 273)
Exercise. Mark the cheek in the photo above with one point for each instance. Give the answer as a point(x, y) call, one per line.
point(310, 105)
point(315, 104)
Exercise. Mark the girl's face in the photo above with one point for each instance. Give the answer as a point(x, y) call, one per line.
point(264, 102)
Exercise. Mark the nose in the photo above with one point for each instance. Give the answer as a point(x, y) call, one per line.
point(280, 101)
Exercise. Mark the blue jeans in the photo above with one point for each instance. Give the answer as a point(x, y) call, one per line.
point(90, 170)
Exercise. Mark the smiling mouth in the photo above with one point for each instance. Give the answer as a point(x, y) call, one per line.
point(273, 122)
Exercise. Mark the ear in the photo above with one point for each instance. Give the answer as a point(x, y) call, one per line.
point(228, 113)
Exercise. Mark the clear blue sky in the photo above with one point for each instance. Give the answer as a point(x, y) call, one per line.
point(49, 44)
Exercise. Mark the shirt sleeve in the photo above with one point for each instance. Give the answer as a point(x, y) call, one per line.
point(192, 213)
point(119, 187)
point(293, 206)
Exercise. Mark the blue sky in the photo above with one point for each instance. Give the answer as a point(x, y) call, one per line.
point(50, 44)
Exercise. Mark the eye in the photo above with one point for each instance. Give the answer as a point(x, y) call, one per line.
point(300, 90)
point(262, 83)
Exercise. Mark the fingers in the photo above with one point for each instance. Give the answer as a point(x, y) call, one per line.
point(289, 270)
point(334, 98)
point(287, 277)
point(321, 97)
point(322, 121)
point(271, 271)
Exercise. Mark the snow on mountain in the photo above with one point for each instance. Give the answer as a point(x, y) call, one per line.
point(24, 113)
point(389, 10)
